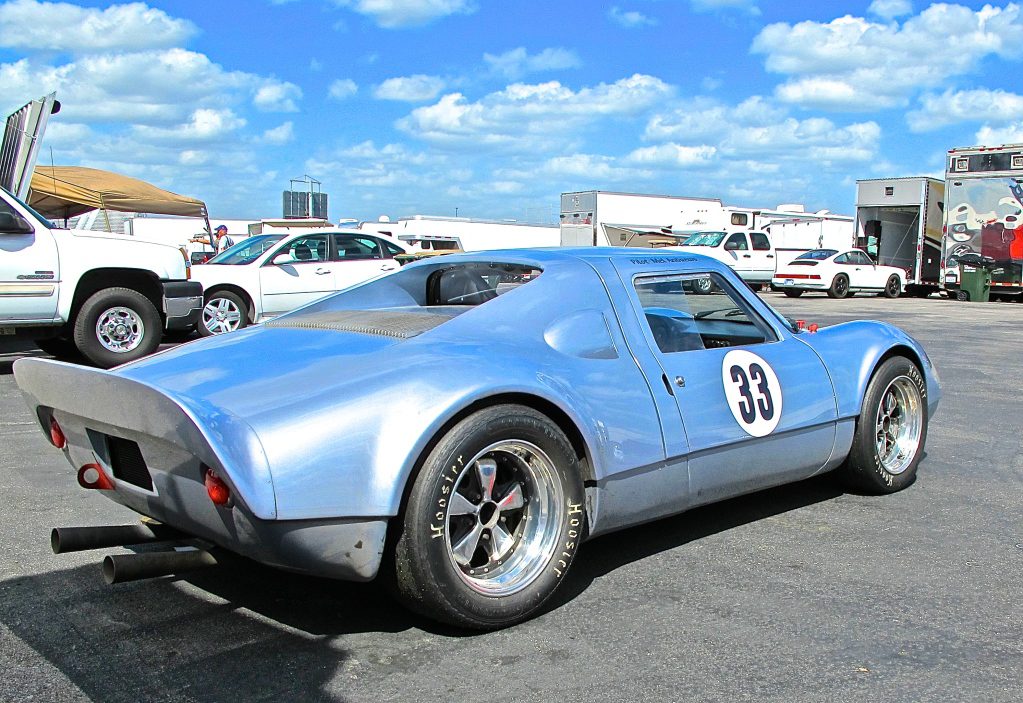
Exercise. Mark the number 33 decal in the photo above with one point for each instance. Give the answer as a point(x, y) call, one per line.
point(753, 392)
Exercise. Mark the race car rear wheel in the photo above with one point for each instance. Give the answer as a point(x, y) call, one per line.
point(891, 430)
point(839, 286)
point(493, 521)
point(892, 288)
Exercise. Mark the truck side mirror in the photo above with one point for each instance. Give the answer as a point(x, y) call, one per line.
point(11, 223)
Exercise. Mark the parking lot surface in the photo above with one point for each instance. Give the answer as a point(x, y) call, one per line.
point(800, 593)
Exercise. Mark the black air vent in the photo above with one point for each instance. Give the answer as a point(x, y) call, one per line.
point(127, 462)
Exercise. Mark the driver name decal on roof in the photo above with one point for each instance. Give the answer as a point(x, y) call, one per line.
point(753, 392)
point(663, 260)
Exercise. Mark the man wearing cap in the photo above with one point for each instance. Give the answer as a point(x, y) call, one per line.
point(223, 240)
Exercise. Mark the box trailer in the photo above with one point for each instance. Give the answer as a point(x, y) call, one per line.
point(984, 214)
point(794, 231)
point(898, 223)
point(427, 233)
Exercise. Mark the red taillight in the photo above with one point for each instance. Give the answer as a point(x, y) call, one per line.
point(57, 435)
point(800, 324)
point(217, 490)
point(92, 476)
point(800, 276)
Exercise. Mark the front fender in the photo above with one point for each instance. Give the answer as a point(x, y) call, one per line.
point(852, 351)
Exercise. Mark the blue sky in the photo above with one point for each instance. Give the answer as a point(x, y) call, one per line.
point(404, 107)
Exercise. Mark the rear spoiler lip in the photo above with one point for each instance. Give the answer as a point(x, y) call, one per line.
point(218, 438)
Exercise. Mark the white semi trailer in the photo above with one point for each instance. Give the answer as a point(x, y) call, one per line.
point(427, 234)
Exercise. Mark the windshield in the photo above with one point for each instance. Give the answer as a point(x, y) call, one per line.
point(247, 250)
point(818, 254)
point(704, 239)
point(46, 223)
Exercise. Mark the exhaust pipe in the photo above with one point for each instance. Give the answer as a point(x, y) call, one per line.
point(119, 568)
point(77, 539)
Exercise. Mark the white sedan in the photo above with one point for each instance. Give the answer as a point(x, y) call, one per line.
point(267, 275)
point(839, 273)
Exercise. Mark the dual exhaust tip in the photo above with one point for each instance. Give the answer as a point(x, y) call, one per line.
point(120, 568)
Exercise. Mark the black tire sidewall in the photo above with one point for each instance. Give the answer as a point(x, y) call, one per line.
point(793, 293)
point(889, 292)
point(426, 577)
point(864, 467)
point(234, 298)
point(833, 289)
point(85, 326)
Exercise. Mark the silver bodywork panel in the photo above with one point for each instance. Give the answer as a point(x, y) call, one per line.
point(318, 419)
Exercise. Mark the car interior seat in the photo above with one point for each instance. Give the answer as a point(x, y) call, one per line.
point(303, 252)
point(461, 287)
point(674, 334)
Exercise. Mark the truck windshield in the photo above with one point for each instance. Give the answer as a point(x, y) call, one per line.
point(704, 239)
point(247, 250)
point(46, 223)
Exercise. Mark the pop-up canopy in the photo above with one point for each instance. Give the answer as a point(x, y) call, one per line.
point(61, 192)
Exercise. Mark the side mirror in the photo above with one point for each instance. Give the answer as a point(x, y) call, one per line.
point(281, 259)
point(14, 224)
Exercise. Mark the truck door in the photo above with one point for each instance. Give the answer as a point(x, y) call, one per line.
point(737, 246)
point(764, 261)
point(307, 274)
point(756, 403)
point(29, 272)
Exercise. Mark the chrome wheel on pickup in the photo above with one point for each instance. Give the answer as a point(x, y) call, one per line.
point(117, 325)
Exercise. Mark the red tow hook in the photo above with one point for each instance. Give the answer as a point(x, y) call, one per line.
point(92, 476)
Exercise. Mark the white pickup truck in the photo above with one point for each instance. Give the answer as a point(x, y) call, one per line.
point(751, 254)
point(108, 298)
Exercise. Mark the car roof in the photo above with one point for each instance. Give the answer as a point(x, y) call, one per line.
point(597, 257)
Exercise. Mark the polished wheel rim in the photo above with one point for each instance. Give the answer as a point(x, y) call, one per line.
point(899, 424)
point(120, 329)
point(504, 516)
point(221, 315)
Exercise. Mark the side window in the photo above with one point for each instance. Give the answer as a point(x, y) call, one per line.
point(473, 284)
point(688, 312)
point(739, 219)
point(305, 249)
point(843, 259)
point(351, 247)
point(737, 242)
point(862, 258)
point(760, 241)
point(391, 250)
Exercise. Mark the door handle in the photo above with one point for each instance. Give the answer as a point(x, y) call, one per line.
point(388, 267)
point(770, 256)
point(745, 256)
point(322, 271)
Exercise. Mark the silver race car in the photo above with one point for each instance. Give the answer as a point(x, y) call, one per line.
point(458, 427)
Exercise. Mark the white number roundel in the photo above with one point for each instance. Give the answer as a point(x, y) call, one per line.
point(752, 391)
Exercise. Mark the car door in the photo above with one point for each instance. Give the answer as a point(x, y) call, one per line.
point(875, 276)
point(359, 257)
point(28, 269)
point(296, 272)
point(756, 403)
point(736, 245)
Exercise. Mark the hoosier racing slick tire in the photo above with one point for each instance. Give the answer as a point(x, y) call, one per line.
point(890, 433)
point(493, 521)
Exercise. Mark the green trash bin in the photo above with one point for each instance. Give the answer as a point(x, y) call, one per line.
point(974, 283)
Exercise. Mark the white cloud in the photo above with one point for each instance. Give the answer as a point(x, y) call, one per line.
point(890, 9)
point(518, 62)
point(630, 19)
point(393, 14)
point(594, 167)
point(672, 154)
point(277, 96)
point(954, 107)
point(342, 89)
point(527, 115)
point(58, 26)
point(205, 125)
point(853, 64)
point(993, 136)
point(749, 6)
point(415, 89)
point(282, 134)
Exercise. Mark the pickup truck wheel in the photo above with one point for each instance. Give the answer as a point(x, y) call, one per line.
point(839, 287)
point(792, 292)
point(117, 325)
point(493, 521)
point(703, 285)
point(224, 312)
point(892, 288)
point(890, 433)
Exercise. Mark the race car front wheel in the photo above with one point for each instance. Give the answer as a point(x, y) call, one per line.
point(493, 520)
point(891, 430)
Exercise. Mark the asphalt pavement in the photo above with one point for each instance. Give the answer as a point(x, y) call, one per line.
point(800, 593)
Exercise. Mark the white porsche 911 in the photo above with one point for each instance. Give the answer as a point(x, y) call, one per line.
point(839, 274)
